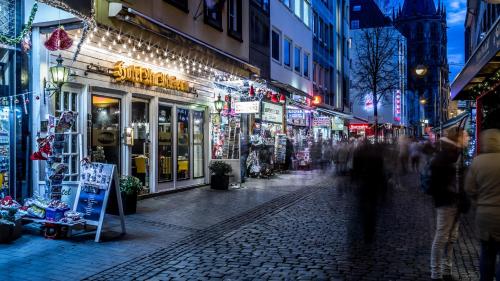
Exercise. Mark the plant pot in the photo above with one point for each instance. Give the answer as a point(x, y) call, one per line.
point(220, 182)
point(129, 203)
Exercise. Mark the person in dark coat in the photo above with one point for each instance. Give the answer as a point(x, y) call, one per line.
point(443, 188)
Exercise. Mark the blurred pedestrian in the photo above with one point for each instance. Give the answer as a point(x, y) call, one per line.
point(404, 153)
point(368, 171)
point(415, 156)
point(483, 185)
point(443, 188)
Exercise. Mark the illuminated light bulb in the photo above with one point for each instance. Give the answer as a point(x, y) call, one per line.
point(134, 49)
point(107, 33)
point(199, 65)
point(187, 71)
point(151, 55)
point(103, 39)
point(199, 70)
point(169, 65)
point(194, 63)
point(206, 67)
point(167, 60)
point(165, 53)
point(143, 53)
point(99, 44)
point(109, 47)
point(95, 29)
point(175, 63)
point(114, 43)
point(149, 48)
point(147, 59)
point(173, 56)
point(157, 51)
point(91, 35)
point(140, 44)
point(79, 31)
point(119, 37)
point(138, 57)
point(129, 41)
point(124, 46)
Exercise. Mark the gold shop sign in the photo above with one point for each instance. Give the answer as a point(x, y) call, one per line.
point(147, 77)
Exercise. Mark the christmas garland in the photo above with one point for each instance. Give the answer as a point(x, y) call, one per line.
point(487, 85)
point(16, 40)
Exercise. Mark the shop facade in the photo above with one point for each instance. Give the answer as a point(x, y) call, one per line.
point(15, 97)
point(143, 103)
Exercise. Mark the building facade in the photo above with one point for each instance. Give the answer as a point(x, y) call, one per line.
point(143, 82)
point(424, 27)
point(392, 107)
point(477, 84)
point(15, 97)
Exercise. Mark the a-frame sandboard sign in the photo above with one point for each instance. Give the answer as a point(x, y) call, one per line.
point(96, 182)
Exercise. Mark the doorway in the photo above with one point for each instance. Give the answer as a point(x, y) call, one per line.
point(140, 150)
point(105, 138)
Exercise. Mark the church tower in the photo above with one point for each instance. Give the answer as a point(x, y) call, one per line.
point(424, 27)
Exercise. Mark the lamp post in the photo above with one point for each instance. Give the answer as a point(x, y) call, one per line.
point(421, 71)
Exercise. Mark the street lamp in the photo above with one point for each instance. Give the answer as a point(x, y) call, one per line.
point(219, 104)
point(423, 101)
point(421, 70)
point(59, 76)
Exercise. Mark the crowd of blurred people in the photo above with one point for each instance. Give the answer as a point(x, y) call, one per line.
point(439, 166)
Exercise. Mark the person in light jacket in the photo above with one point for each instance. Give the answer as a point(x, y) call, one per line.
point(483, 185)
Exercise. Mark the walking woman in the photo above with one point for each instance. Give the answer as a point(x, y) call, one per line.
point(483, 185)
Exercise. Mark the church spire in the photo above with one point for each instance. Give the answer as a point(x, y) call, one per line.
point(418, 7)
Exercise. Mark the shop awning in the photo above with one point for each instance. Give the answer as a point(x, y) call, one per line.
point(452, 122)
point(481, 65)
point(333, 112)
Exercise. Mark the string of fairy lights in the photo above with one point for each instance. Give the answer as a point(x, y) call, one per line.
point(149, 52)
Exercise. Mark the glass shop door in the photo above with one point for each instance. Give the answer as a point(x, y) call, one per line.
point(141, 147)
point(105, 137)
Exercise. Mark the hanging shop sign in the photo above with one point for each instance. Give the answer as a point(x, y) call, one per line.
point(296, 117)
point(337, 124)
point(322, 122)
point(246, 107)
point(354, 127)
point(397, 106)
point(272, 112)
point(147, 77)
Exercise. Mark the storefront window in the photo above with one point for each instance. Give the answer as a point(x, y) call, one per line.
point(140, 149)
point(68, 101)
point(182, 144)
point(198, 143)
point(106, 138)
point(164, 143)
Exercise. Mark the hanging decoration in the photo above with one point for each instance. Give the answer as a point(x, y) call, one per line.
point(59, 40)
point(16, 40)
point(26, 43)
point(486, 85)
point(274, 98)
point(251, 92)
point(88, 21)
point(282, 98)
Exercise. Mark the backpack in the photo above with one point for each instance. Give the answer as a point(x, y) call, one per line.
point(426, 178)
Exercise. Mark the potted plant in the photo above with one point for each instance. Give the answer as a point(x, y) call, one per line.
point(220, 171)
point(130, 186)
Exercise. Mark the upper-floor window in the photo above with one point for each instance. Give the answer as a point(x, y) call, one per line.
point(306, 66)
point(296, 59)
point(288, 3)
point(213, 15)
point(287, 52)
point(315, 24)
point(307, 12)
point(275, 45)
point(264, 4)
point(298, 8)
point(234, 19)
point(356, 8)
point(181, 4)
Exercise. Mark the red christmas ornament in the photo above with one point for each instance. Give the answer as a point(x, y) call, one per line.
point(282, 98)
point(269, 94)
point(274, 98)
point(251, 93)
point(58, 40)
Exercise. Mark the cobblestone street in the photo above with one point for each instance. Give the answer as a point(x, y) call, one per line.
point(297, 231)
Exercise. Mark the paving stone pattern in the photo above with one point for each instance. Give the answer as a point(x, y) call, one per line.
point(315, 233)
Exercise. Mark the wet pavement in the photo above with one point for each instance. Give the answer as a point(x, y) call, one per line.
point(304, 225)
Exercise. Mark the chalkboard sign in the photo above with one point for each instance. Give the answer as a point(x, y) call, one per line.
point(96, 181)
